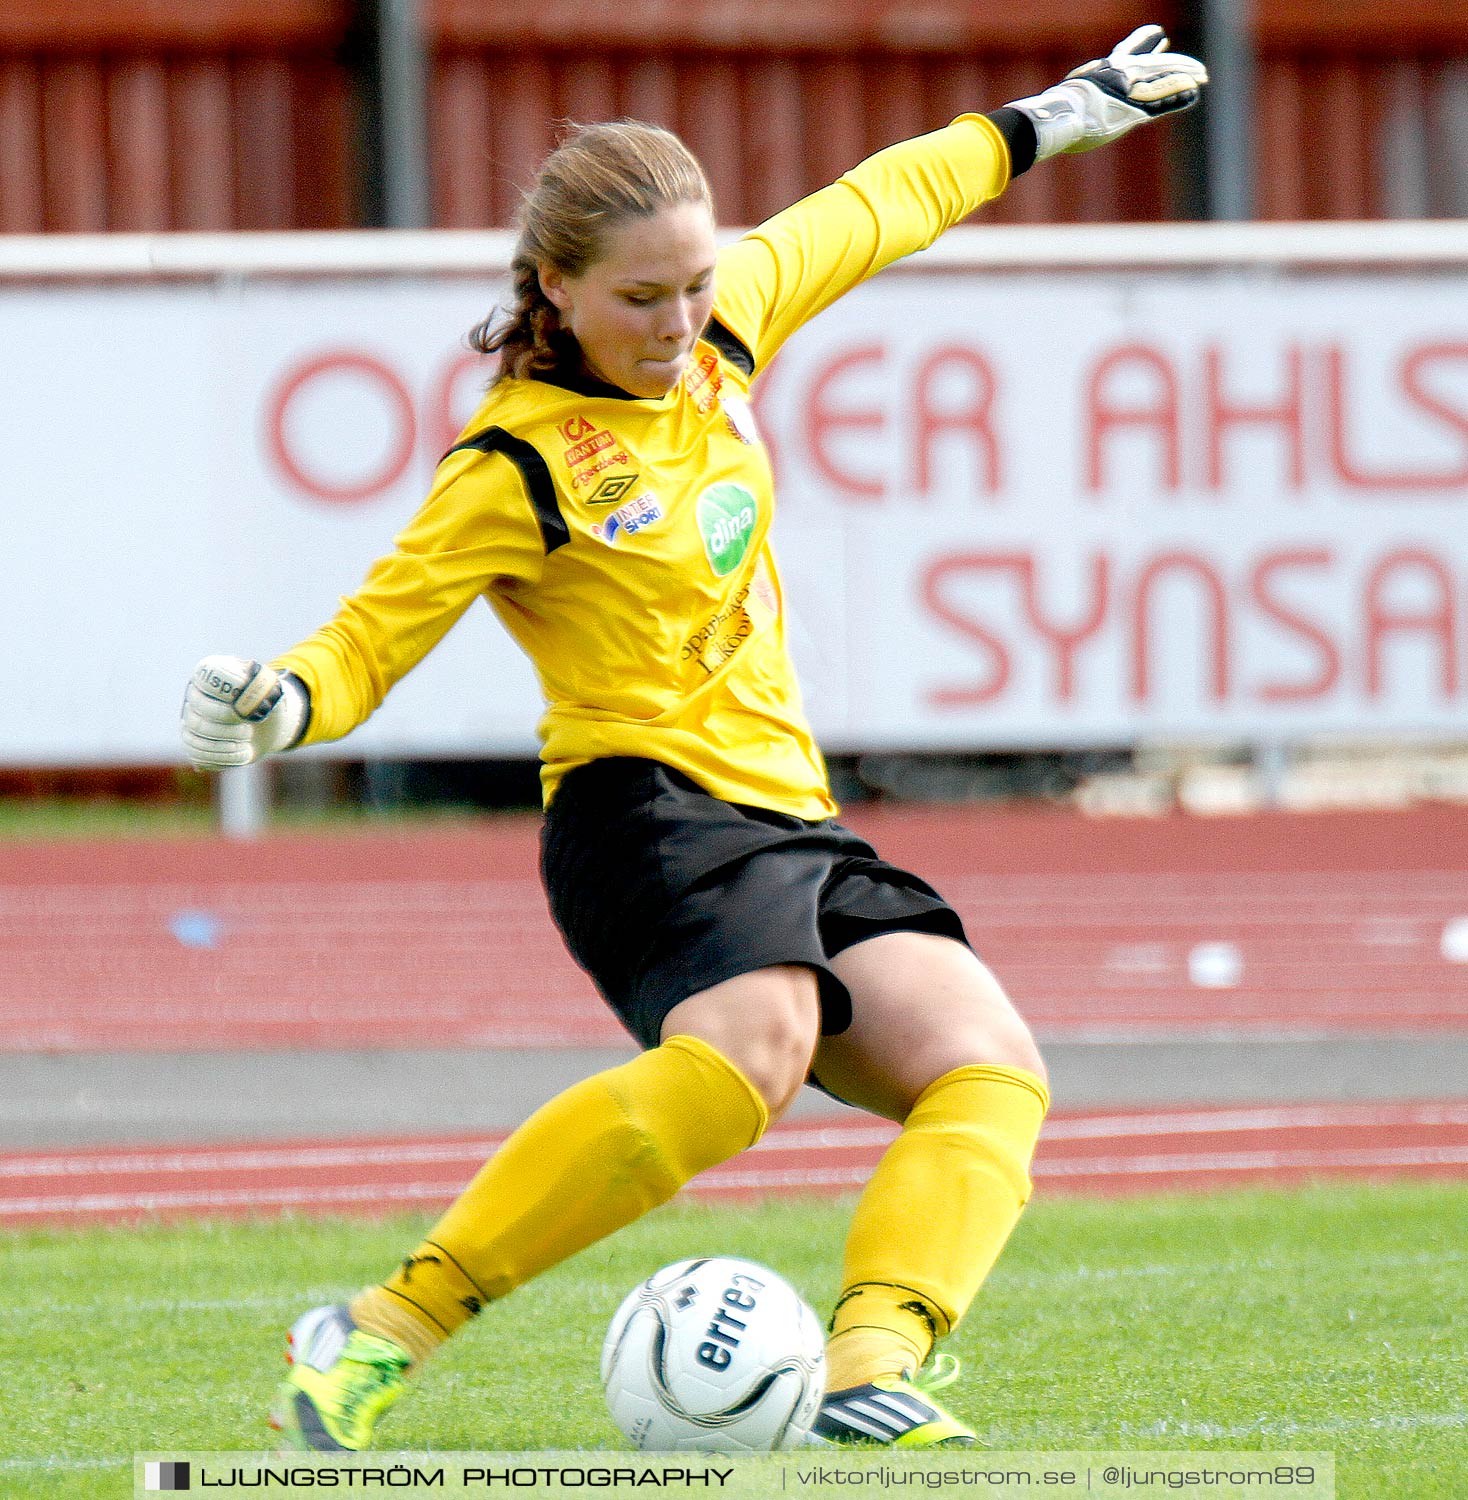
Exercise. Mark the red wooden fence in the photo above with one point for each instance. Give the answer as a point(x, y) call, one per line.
point(161, 114)
point(197, 114)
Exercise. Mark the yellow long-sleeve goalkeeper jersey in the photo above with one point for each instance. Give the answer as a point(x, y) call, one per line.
point(624, 541)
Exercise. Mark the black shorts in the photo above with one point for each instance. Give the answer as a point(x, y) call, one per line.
point(662, 890)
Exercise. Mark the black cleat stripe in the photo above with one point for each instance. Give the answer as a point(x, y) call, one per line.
point(308, 1419)
point(859, 1406)
point(839, 1425)
point(906, 1407)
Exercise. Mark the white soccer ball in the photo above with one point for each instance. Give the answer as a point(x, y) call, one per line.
point(718, 1355)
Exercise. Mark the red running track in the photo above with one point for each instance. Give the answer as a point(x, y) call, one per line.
point(1109, 1153)
point(1125, 928)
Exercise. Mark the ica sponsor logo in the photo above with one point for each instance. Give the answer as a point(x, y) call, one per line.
point(578, 453)
point(627, 520)
point(726, 517)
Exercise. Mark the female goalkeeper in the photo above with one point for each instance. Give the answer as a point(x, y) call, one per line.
point(612, 500)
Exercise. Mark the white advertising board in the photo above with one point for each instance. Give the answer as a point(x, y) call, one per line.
point(1044, 509)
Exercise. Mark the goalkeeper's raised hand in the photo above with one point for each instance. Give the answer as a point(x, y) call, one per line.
point(1100, 101)
point(235, 711)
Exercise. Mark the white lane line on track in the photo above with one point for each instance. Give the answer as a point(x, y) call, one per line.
point(1173, 1122)
point(1250, 1161)
point(256, 1159)
point(278, 1197)
point(786, 1139)
point(1281, 1117)
point(1122, 1166)
point(717, 1180)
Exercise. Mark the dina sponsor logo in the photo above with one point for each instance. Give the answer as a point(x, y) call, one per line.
point(727, 514)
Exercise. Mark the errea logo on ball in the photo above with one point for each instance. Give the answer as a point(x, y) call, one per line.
point(726, 517)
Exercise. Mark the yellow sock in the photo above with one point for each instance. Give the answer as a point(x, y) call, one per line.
point(933, 1219)
point(595, 1158)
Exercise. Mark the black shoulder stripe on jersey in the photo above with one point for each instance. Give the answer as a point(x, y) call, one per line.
point(733, 349)
point(537, 477)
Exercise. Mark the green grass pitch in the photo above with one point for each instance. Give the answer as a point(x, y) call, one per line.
point(1331, 1317)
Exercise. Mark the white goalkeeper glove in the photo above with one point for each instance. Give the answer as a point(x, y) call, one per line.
point(1100, 101)
point(236, 711)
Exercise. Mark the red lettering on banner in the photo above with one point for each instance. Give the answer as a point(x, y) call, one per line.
point(1261, 586)
point(1134, 394)
point(385, 380)
point(1190, 565)
point(1436, 621)
point(1126, 613)
point(1135, 386)
point(1065, 643)
point(433, 426)
point(823, 418)
point(1221, 415)
point(1412, 371)
point(975, 419)
point(1105, 412)
point(1353, 474)
point(990, 686)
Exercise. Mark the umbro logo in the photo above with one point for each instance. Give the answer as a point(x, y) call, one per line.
point(611, 489)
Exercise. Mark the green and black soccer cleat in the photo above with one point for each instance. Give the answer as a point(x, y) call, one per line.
point(894, 1410)
point(342, 1379)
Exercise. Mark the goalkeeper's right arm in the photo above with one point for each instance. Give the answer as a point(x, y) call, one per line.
point(235, 711)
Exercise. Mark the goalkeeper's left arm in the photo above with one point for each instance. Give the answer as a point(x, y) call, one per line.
point(899, 201)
